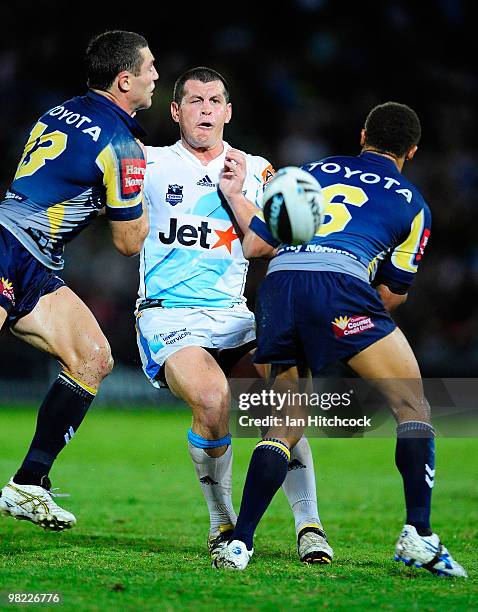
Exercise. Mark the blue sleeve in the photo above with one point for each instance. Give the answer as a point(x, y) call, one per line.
point(398, 269)
point(123, 165)
point(259, 227)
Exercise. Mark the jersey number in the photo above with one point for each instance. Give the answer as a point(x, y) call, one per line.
point(337, 214)
point(39, 149)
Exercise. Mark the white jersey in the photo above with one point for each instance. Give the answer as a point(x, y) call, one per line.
point(192, 256)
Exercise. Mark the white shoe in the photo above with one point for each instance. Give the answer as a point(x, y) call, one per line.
point(426, 552)
point(313, 547)
point(35, 504)
point(218, 540)
point(234, 556)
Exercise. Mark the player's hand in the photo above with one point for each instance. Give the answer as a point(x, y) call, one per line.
point(231, 180)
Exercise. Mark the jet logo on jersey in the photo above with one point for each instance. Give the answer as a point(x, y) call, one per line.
point(189, 235)
point(175, 194)
point(6, 289)
point(206, 182)
point(349, 326)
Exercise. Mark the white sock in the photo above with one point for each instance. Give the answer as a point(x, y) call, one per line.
point(215, 479)
point(299, 486)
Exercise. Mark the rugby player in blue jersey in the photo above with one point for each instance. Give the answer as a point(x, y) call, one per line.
point(317, 306)
point(82, 157)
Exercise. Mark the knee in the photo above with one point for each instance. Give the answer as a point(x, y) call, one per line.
point(103, 361)
point(416, 410)
point(94, 362)
point(212, 407)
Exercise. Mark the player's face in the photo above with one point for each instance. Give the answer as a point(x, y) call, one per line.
point(202, 113)
point(142, 86)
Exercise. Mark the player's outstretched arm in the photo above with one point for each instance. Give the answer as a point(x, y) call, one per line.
point(129, 236)
point(391, 300)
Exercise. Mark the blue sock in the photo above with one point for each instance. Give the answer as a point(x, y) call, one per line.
point(266, 473)
point(60, 415)
point(415, 459)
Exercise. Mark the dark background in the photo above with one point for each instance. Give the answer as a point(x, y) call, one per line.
point(303, 76)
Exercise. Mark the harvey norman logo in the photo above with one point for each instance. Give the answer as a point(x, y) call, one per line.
point(349, 326)
point(132, 175)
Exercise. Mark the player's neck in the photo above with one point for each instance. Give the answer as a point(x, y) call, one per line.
point(123, 104)
point(398, 161)
point(204, 154)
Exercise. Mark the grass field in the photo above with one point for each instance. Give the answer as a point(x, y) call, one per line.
point(142, 525)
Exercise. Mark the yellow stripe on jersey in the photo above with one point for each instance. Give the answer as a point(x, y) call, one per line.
point(278, 445)
point(56, 214)
point(405, 253)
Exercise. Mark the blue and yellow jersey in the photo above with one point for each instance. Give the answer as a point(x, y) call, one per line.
point(80, 156)
point(376, 223)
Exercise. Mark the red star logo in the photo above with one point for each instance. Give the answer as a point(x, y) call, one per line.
point(225, 238)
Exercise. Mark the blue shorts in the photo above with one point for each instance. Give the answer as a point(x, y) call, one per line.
point(23, 279)
point(317, 318)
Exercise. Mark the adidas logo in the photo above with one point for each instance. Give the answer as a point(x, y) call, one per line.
point(206, 182)
point(295, 464)
point(207, 480)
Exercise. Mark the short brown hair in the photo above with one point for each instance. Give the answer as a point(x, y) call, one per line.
point(201, 73)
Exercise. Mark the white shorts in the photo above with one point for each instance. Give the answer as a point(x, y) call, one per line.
point(163, 331)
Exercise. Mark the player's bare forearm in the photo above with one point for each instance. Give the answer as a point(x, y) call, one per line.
point(242, 209)
point(129, 236)
point(391, 300)
point(253, 246)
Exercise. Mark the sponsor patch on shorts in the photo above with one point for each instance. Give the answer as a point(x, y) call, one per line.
point(6, 289)
point(350, 326)
point(175, 336)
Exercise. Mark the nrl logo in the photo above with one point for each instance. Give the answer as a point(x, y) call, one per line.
point(174, 194)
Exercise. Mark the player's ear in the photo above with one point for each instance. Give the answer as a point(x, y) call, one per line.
point(175, 111)
point(411, 153)
point(124, 81)
point(228, 112)
point(363, 134)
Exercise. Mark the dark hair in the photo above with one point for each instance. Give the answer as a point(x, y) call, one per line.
point(110, 53)
point(393, 128)
point(201, 73)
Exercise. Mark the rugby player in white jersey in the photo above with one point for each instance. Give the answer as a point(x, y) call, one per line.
point(194, 327)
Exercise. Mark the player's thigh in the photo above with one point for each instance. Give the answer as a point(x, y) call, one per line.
point(62, 325)
point(193, 375)
point(391, 364)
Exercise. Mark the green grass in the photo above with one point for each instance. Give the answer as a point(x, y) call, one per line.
point(142, 525)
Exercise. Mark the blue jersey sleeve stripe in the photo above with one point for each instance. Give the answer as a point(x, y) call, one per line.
point(124, 214)
point(259, 227)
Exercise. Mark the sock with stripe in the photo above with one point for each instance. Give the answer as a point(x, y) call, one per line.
point(59, 417)
point(415, 460)
point(215, 478)
point(266, 473)
point(299, 487)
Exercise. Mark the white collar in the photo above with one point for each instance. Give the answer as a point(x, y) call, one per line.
point(185, 153)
